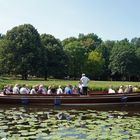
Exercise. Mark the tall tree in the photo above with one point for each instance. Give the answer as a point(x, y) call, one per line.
point(6, 58)
point(105, 49)
point(90, 41)
point(77, 58)
point(137, 62)
point(95, 64)
point(122, 59)
point(136, 42)
point(25, 50)
point(54, 57)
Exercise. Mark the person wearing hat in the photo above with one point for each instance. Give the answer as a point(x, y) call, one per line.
point(84, 80)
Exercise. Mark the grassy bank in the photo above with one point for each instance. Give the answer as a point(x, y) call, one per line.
point(93, 85)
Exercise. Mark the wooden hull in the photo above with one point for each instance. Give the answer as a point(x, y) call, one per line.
point(92, 99)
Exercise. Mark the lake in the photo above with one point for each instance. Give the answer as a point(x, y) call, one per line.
point(104, 122)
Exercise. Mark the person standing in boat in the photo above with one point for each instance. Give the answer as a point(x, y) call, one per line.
point(84, 80)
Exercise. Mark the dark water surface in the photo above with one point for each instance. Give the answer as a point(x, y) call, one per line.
point(41, 122)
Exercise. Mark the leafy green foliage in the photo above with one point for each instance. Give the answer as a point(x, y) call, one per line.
point(21, 50)
point(54, 57)
point(77, 56)
point(123, 59)
point(24, 52)
point(95, 64)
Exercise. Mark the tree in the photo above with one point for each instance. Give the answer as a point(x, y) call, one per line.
point(90, 41)
point(95, 64)
point(77, 58)
point(68, 40)
point(105, 49)
point(122, 59)
point(137, 69)
point(6, 58)
point(25, 50)
point(136, 42)
point(54, 57)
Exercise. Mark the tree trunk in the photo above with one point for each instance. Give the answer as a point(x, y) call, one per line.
point(24, 76)
point(45, 76)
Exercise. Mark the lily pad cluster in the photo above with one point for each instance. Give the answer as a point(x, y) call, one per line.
point(52, 124)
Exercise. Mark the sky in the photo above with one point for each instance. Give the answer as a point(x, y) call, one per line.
point(109, 19)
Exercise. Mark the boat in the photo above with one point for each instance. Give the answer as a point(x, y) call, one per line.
point(74, 99)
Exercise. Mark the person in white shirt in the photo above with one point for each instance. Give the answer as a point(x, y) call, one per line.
point(120, 89)
point(59, 90)
point(24, 90)
point(84, 80)
point(33, 90)
point(49, 90)
point(16, 89)
point(110, 90)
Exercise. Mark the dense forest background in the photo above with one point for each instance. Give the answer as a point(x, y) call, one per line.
point(24, 52)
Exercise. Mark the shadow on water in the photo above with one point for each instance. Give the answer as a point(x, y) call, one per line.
point(133, 107)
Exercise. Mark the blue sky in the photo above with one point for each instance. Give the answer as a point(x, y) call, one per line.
point(109, 19)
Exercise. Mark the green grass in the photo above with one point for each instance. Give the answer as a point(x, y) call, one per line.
point(93, 85)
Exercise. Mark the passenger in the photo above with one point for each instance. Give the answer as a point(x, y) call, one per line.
point(59, 90)
point(10, 88)
point(42, 89)
point(6, 90)
point(84, 80)
point(49, 90)
point(23, 90)
point(33, 90)
point(79, 88)
point(126, 89)
point(135, 89)
point(28, 89)
point(121, 90)
point(37, 88)
point(68, 89)
point(53, 89)
point(16, 89)
point(110, 90)
point(130, 89)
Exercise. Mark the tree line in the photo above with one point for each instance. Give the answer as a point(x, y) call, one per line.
point(23, 51)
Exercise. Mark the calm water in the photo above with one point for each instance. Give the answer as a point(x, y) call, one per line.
point(106, 122)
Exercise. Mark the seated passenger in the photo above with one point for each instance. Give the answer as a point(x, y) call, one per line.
point(126, 89)
point(59, 90)
point(135, 89)
point(53, 89)
point(28, 89)
point(79, 88)
point(42, 90)
point(16, 89)
point(49, 90)
point(130, 89)
point(24, 90)
point(120, 89)
point(68, 89)
point(6, 90)
point(110, 90)
point(33, 90)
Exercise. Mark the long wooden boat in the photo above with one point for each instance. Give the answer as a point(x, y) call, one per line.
point(75, 99)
